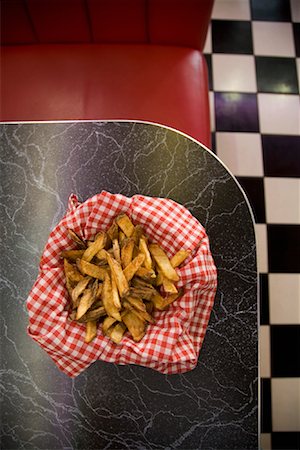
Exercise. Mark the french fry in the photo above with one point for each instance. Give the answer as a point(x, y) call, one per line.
point(169, 286)
point(145, 274)
point(117, 273)
point(116, 332)
point(121, 236)
point(115, 294)
point(93, 314)
point(136, 326)
point(91, 269)
point(137, 234)
point(85, 303)
point(136, 303)
point(107, 298)
point(145, 251)
point(143, 315)
point(163, 262)
point(179, 257)
point(76, 239)
point(131, 269)
point(171, 298)
point(95, 247)
point(72, 255)
point(125, 224)
point(107, 323)
point(91, 331)
point(127, 252)
point(116, 250)
point(79, 289)
point(71, 272)
point(143, 293)
point(158, 301)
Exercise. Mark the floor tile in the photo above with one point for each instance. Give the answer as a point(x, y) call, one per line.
point(231, 9)
point(285, 342)
point(234, 73)
point(208, 45)
point(273, 10)
point(264, 298)
point(285, 404)
point(296, 31)
point(212, 111)
point(265, 353)
point(261, 247)
point(284, 292)
point(279, 113)
point(285, 440)
point(236, 112)
point(209, 68)
point(273, 39)
point(241, 153)
point(283, 248)
point(295, 10)
point(282, 200)
point(266, 410)
point(281, 155)
point(224, 36)
point(254, 189)
point(265, 441)
point(275, 74)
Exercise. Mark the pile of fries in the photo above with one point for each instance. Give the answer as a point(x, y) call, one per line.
point(119, 279)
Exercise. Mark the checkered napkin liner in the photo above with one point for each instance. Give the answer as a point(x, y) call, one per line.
point(173, 343)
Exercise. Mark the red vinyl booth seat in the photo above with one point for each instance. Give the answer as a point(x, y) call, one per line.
point(47, 75)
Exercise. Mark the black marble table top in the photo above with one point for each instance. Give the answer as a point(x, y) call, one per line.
point(215, 406)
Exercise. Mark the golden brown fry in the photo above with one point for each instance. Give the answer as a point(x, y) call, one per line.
point(136, 326)
point(130, 270)
point(163, 262)
point(107, 299)
point(158, 301)
point(139, 283)
point(107, 323)
point(169, 286)
point(85, 302)
point(95, 247)
point(145, 274)
point(80, 243)
point(116, 332)
point(121, 237)
point(144, 293)
point(117, 273)
point(101, 255)
point(116, 250)
point(137, 234)
point(78, 290)
point(115, 294)
point(145, 251)
point(93, 314)
point(143, 315)
point(71, 272)
point(125, 224)
point(171, 298)
point(136, 303)
point(149, 307)
point(91, 331)
point(179, 257)
point(113, 231)
point(91, 269)
point(126, 252)
point(72, 255)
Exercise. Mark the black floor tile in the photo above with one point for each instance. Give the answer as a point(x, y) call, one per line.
point(285, 441)
point(283, 248)
point(278, 75)
point(281, 155)
point(264, 299)
point(236, 112)
point(209, 67)
point(271, 10)
point(285, 343)
point(231, 36)
point(254, 188)
point(296, 28)
point(266, 409)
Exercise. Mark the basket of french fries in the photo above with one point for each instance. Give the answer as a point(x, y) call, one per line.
point(124, 280)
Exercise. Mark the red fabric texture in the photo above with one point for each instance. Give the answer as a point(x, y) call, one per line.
point(173, 343)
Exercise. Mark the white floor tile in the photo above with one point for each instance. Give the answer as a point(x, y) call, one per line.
point(265, 441)
point(282, 197)
point(231, 9)
point(279, 113)
point(295, 10)
point(261, 245)
point(208, 44)
point(234, 73)
point(284, 298)
point(273, 38)
point(212, 110)
point(241, 153)
point(285, 404)
point(265, 354)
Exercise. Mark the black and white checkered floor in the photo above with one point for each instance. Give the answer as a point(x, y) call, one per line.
point(253, 50)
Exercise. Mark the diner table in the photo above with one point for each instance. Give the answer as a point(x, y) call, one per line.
point(109, 406)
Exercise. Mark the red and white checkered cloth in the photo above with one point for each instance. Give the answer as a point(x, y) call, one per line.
point(173, 343)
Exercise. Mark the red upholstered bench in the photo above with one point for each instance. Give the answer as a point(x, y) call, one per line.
point(106, 59)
